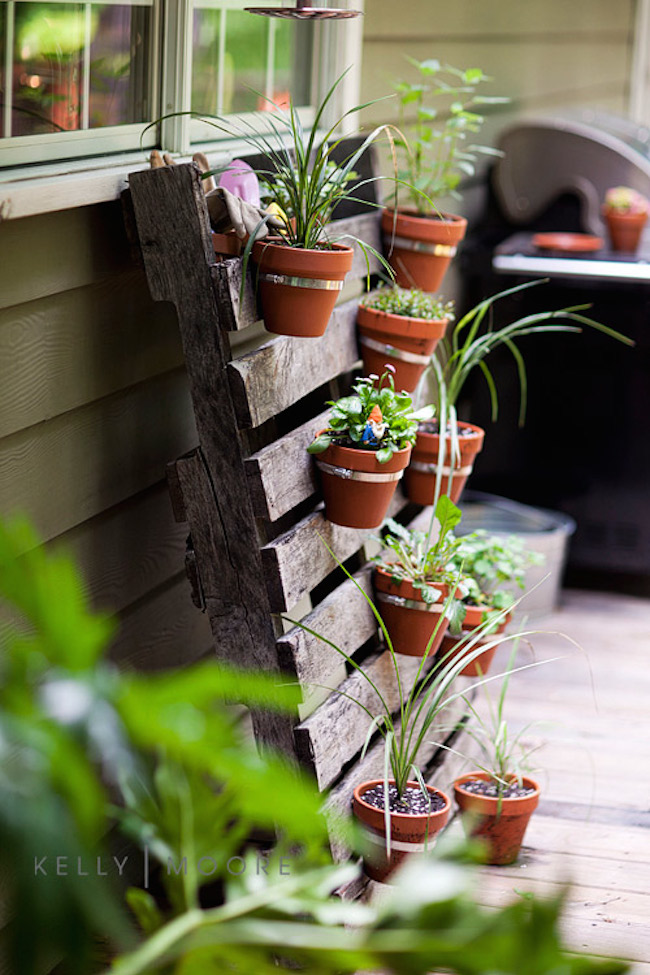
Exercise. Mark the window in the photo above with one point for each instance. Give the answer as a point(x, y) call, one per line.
point(84, 79)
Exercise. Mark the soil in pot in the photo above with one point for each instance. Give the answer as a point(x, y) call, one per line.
point(420, 480)
point(419, 249)
point(358, 489)
point(414, 825)
point(298, 287)
point(501, 823)
point(410, 621)
point(406, 343)
point(624, 229)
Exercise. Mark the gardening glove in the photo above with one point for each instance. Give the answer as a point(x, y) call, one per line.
point(201, 161)
point(229, 211)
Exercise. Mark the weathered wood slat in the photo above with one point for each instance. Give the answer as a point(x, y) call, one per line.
point(283, 474)
point(344, 617)
point(372, 767)
point(298, 560)
point(282, 371)
point(237, 313)
point(336, 731)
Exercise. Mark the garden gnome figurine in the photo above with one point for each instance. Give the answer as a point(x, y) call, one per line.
point(375, 428)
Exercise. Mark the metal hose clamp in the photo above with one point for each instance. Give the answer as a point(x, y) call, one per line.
point(417, 465)
point(424, 247)
point(393, 353)
point(422, 607)
point(296, 282)
point(350, 475)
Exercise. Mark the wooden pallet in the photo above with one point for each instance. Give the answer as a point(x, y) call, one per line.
point(249, 492)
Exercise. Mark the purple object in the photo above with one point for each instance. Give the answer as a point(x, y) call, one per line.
point(240, 180)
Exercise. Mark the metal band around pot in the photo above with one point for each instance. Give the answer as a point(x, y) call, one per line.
point(399, 846)
point(394, 353)
point(350, 475)
point(417, 465)
point(422, 607)
point(295, 282)
point(424, 247)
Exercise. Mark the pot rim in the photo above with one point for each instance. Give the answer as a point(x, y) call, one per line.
point(279, 242)
point(346, 456)
point(492, 801)
point(441, 586)
point(392, 318)
point(410, 213)
point(401, 817)
point(462, 425)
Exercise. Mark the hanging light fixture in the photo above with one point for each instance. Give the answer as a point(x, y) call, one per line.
point(304, 12)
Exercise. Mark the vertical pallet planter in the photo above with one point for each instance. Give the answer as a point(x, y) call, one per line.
point(249, 492)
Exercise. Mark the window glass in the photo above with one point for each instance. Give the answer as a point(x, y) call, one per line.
point(118, 65)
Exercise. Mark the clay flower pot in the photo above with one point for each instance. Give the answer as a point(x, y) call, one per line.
point(502, 828)
point(422, 247)
point(356, 487)
point(406, 343)
point(227, 245)
point(409, 620)
point(624, 229)
point(420, 477)
point(298, 288)
point(409, 833)
point(454, 646)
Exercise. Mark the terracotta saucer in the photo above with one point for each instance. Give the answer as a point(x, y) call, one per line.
point(570, 243)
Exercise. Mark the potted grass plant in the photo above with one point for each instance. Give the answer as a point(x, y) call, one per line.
point(364, 450)
point(497, 799)
point(420, 239)
point(625, 212)
point(492, 568)
point(415, 812)
point(413, 578)
point(401, 326)
point(301, 266)
point(442, 464)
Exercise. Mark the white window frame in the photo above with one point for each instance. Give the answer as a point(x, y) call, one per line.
point(57, 181)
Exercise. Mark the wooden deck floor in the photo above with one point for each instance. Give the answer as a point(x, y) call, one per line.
point(592, 826)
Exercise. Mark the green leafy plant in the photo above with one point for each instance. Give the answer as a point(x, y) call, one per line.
point(274, 190)
point(72, 726)
point(411, 303)
point(350, 416)
point(444, 100)
point(409, 554)
point(487, 562)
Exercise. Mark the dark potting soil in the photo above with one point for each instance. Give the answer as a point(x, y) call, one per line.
point(432, 426)
point(480, 787)
point(412, 803)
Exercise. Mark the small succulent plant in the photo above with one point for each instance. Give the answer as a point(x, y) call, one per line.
point(411, 303)
point(623, 199)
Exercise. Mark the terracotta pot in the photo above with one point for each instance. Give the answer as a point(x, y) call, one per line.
point(420, 480)
point(227, 245)
point(356, 487)
point(624, 229)
point(405, 343)
point(409, 834)
point(456, 646)
point(503, 830)
point(409, 620)
point(298, 288)
point(422, 247)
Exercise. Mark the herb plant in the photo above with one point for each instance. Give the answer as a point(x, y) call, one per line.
point(623, 199)
point(411, 303)
point(273, 189)
point(350, 415)
point(444, 100)
point(486, 562)
point(409, 555)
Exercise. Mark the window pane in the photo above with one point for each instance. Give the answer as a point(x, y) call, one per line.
point(118, 65)
point(245, 62)
point(77, 66)
point(205, 62)
point(48, 43)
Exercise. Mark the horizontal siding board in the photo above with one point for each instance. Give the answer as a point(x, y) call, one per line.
point(72, 468)
point(259, 379)
point(56, 252)
point(60, 352)
point(162, 631)
point(438, 19)
point(283, 474)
